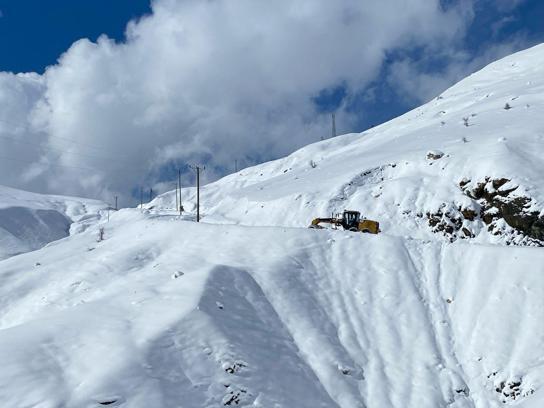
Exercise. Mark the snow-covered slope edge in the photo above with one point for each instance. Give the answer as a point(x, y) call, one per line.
point(467, 165)
point(166, 313)
point(29, 221)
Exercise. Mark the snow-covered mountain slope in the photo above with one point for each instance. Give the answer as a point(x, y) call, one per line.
point(29, 221)
point(250, 308)
point(487, 186)
point(167, 313)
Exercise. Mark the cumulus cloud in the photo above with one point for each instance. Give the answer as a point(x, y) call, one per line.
point(201, 81)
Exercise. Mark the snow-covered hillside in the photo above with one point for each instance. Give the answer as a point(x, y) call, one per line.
point(250, 308)
point(167, 313)
point(487, 186)
point(29, 221)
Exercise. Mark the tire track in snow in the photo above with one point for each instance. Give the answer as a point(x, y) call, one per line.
point(428, 286)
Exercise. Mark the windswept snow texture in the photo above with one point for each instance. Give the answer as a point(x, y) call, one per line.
point(169, 313)
point(29, 221)
point(250, 308)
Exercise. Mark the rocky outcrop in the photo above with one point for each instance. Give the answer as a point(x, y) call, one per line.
point(495, 207)
point(500, 205)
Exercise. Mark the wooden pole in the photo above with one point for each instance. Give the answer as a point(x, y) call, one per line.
point(197, 194)
point(179, 184)
point(198, 169)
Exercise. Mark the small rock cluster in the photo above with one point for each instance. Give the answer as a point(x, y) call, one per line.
point(235, 394)
point(453, 223)
point(233, 397)
point(511, 390)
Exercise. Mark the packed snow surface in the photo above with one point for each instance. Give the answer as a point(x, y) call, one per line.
point(249, 308)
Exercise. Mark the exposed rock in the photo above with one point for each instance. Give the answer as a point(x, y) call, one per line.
point(468, 214)
point(434, 154)
point(446, 223)
point(234, 367)
point(511, 390)
point(498, 203)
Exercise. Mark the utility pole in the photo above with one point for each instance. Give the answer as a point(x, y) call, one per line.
point(177, 203)
point(141, 198)
point(198, 170)
point(150, 194)
point(236, 165)
point(333, 125)
point(116, 208)
point(180, 207)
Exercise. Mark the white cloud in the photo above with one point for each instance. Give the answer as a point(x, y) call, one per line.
point(412, 80)
point(202, 80)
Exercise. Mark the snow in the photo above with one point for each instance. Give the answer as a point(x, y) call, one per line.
point(385, 173)
point(29, 221)
point(250, 308)
point(287, 310)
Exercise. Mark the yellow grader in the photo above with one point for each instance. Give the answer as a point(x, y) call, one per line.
point(350, 221)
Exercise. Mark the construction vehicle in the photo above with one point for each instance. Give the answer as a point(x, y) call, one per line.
point(350, 221)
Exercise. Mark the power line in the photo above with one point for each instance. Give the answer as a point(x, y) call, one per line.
point(53, 149)
point(60, 137)
point(87, 169)
point(48, 164)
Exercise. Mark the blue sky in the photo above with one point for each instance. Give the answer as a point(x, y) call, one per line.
point(34, 33)
point(219, 81)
